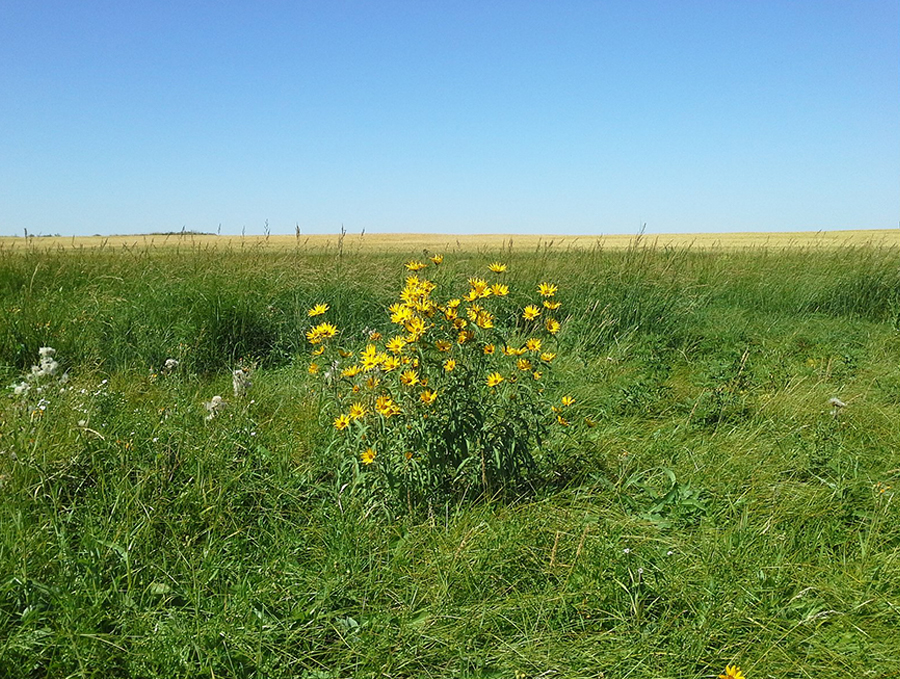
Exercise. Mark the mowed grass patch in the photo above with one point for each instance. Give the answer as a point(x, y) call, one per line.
point(708, 504)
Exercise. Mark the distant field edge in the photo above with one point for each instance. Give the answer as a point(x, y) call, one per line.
point(435, 242)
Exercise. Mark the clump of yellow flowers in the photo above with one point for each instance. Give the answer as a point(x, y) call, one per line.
point(451, 400)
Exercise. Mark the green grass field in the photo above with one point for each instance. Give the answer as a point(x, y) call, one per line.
point(707, 506)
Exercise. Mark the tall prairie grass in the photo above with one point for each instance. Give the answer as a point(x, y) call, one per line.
point(709, 505)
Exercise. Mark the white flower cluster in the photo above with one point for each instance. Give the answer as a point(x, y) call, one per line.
point(240, 381)
point(47, 367)
point(214, 405)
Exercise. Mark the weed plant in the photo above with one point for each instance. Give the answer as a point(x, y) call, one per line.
point(708, 506)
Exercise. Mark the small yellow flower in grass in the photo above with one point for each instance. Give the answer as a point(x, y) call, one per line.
point(345, 354)
point(534, 344)
point(494, 379)
point(489, 349)
point(552, 326)
point(552, 305)
point(500, 290)
point(536, 374)
point(437, 259)
point(531, 312)
point(562, 420)
point(385, 406)
point(567, 400)
point(548, 356)
point(408, 454)
point(497, 267)
point(321, 332)
point(454, 303)
point(390, 363)
point(547, 289)
point(415, 327)
point(352, 371)
point(368, 457)
point(428, 396)
point(413, 265)
point(317, 310)
point(374, 336)
point(409, 377)
point(523, 364)
point(319, 350)
point(484, 320)
point(341, 422)
point(313, 369)
point(443, 345)
point(399, 313)
point(732, 672)
point(465, 336)
point(357, 410)
point(449, 365)
point(395, 344)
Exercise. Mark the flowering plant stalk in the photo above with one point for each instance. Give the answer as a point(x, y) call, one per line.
point(451, 402)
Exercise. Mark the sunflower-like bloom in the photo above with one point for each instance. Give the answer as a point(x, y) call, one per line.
point(341, 422)
point(454, 303)
point(547, 289)
point(370, 358)
point(494, 379)
point(395, 344)
point(368, 457)
point(352, 371)
point(319, 350)
point(562, 420)
point(317, 310)
point(489, 349)
point(415, 326)
point(484, 320)
point(533, 344)
point(390, 363)
point(374, 336)
point(428, 396)
point(399, 313)
point(732, 672)
point(385, 405)
point(500, 290)
point(449, 365)
point(413, 265)
point(530, 312)
point(479, 288)
point(409, 377)
point(551, 305)
point(357, 411)
point(567, 400)
point(437, 259)
point(536, 374)
point(523, 364)
point(497, 267)
point(552, 326)
point(464, 336)
point(313, 369)
point(548, 356)
point(443, 345)
point(321, 332)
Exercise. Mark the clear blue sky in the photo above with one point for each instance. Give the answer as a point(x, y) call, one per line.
point(484, 116)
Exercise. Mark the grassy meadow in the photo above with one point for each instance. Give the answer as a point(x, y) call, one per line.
point(708, 503)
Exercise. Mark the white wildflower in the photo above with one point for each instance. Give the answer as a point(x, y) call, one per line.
point(170, 365)
point(240, 381)
point(21, 388)
point(836, 405)
point(46, 352)
point(214, 405)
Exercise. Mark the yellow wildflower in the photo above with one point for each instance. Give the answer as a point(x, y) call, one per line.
point(523, 364)
point(357, 410)
point(317, 310)
point(374, 336)
point(390, 363)
point(732, 672)
point(415, 327)
point(531, 312)
point(428, 396)
point(500, 289)
point(567, 400)
point(443, 345)
point(484, 320)
point(449, 365)
point(341, 422)
point(494, 379)
point(319, 350)
point(321, 332)
point(464, 336)
point(552, 326)
point(368, 457)
point(413, 265)
point(437, 259)
point(533, 344)
point(395, 344)
point(409, 377)
point(313, 369)
point(548, 356)
point(489, 349)
point(547, 289)
point(497, 267)
point(536, 374)
point(551, 305)
point(562, 420)
point(352, 371)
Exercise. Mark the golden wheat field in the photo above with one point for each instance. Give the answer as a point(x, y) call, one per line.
point(450, 242)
